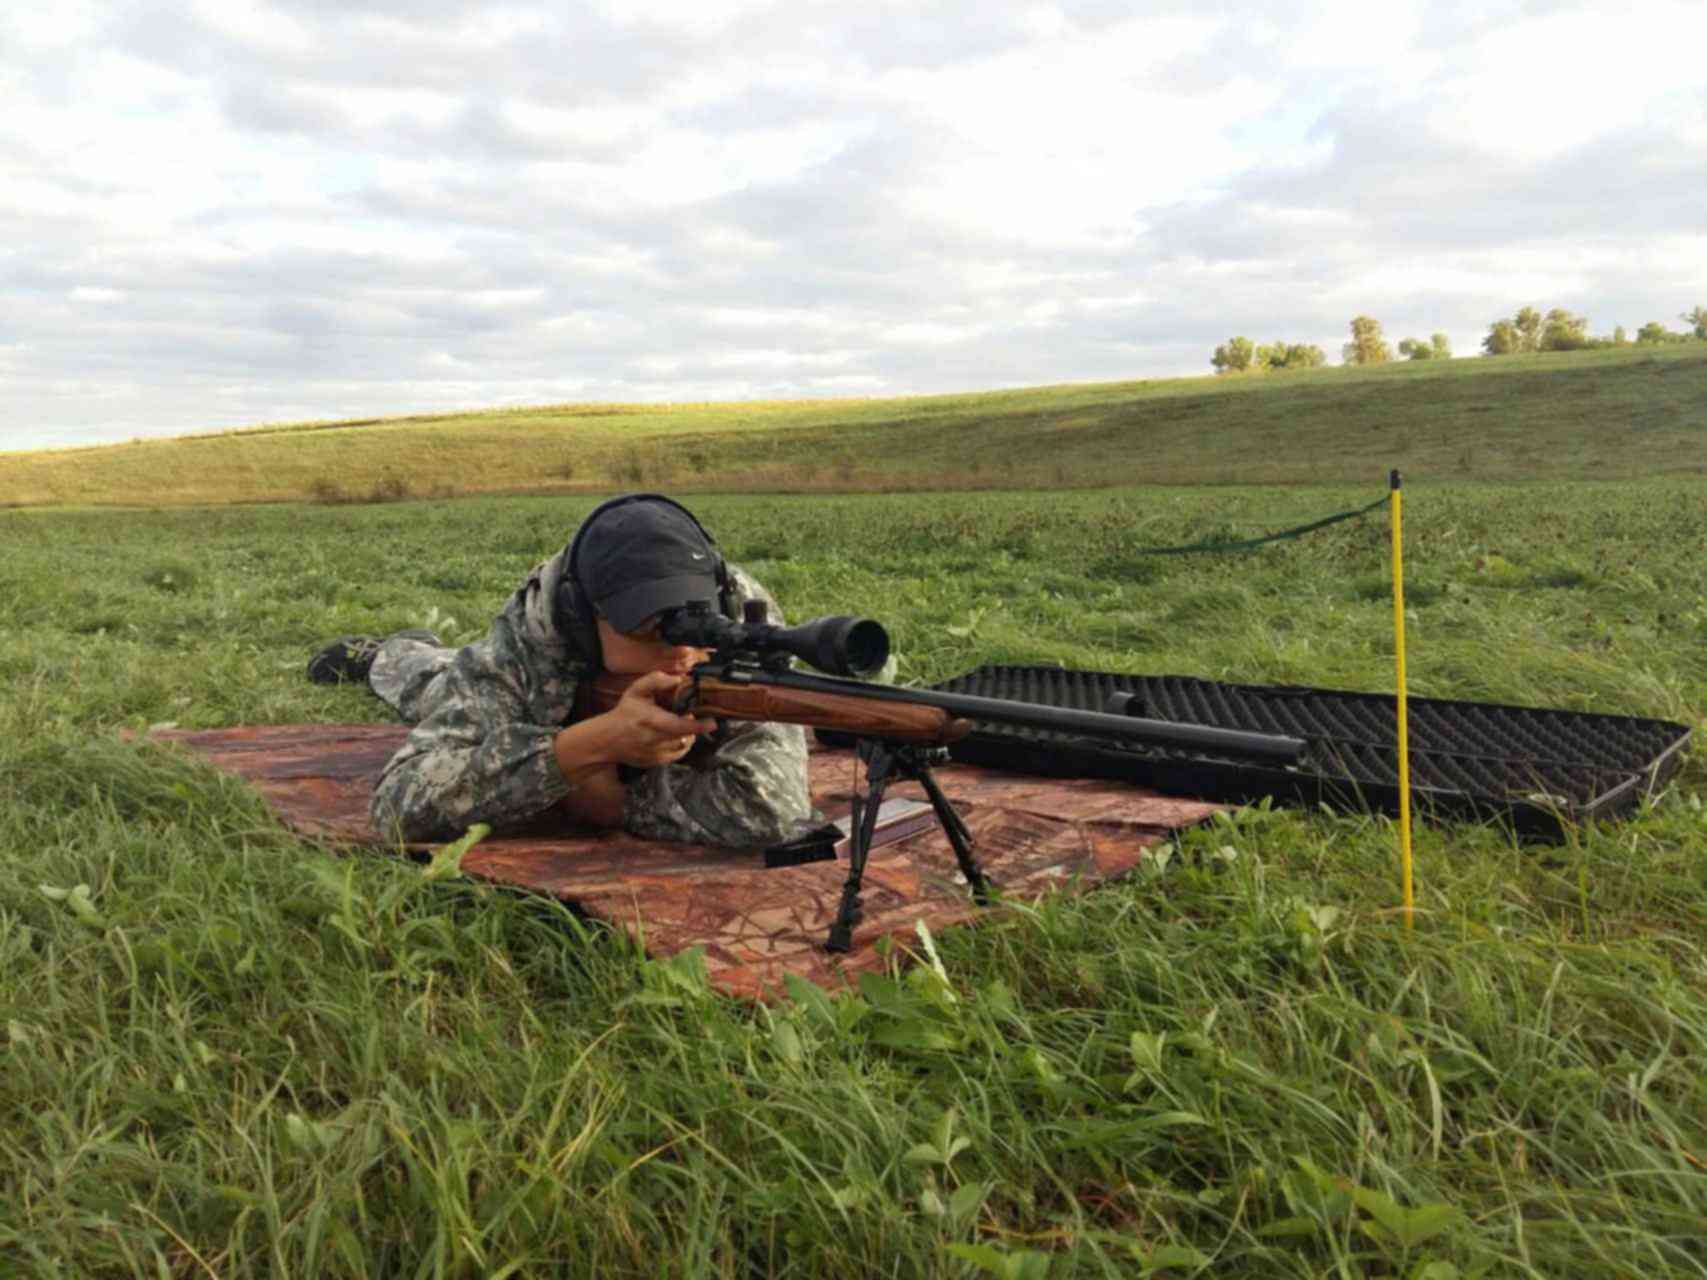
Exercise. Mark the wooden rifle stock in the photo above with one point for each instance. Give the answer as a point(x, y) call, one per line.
point(737, 691)
point(714, 699)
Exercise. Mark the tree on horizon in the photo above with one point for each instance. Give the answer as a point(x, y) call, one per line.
point(1278, 356)
point(1562, 331)
point(1367, 346)
point(1233, 356)
point(1438, 347)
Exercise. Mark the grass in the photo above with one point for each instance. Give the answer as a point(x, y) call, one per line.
point(226, 1053)
point(1617, 414)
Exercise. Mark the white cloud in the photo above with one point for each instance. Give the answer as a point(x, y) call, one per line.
point(1551, 84)
point(256, 26)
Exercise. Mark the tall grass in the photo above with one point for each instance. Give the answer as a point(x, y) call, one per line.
point(229, 1053)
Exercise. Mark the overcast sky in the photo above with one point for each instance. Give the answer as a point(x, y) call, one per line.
point(219, 213)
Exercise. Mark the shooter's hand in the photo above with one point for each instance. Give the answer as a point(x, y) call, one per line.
point(642, 732)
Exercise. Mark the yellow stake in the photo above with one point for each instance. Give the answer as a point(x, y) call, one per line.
point(1404, 740)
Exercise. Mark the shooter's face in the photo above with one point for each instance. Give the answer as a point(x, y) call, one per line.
point(634, 653)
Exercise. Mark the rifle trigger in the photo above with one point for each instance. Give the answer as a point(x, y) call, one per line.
point(685, 698)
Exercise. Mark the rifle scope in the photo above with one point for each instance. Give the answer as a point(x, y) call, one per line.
point(840, 645)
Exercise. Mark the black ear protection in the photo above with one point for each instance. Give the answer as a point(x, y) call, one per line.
point(575, 613)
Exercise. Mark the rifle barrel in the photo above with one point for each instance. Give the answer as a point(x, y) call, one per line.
point(1201, 737)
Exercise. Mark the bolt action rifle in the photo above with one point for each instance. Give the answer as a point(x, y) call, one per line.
point(898, 733)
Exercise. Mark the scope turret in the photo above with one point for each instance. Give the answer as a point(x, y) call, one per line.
point(840, 645)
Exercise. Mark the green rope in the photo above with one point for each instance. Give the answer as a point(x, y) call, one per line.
point(1257, 542)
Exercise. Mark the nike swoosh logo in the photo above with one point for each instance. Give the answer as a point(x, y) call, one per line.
point(697, 555)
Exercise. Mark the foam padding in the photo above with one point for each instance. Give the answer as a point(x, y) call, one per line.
point(756, 925)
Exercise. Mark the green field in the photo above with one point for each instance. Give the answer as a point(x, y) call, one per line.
point(232, 1055)
point(1615, 414)
point(229, 1054)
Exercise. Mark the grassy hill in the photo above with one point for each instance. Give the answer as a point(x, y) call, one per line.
point(229, 1054)
point(1619, 414)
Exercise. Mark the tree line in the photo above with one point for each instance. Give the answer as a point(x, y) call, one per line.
point(1559, 330)
point(1526, 331)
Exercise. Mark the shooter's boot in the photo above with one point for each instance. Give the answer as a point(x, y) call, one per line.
point(351, 658)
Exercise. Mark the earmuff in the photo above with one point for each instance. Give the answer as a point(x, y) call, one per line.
point(575, 613)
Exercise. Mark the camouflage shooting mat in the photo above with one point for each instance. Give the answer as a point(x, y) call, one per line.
point(1032, 835)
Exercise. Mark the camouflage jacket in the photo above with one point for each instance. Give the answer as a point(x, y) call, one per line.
point(485, 717)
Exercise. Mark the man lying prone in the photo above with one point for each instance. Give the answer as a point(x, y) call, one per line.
point(496, 734)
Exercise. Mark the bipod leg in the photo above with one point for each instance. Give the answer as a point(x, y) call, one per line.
point(958, 834)
point(878, 770)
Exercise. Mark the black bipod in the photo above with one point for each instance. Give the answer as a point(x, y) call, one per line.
point(884, 763)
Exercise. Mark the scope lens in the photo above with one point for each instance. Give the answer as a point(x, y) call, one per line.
point(864, 647)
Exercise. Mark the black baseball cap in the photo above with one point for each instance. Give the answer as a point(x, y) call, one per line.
point(642, 557)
